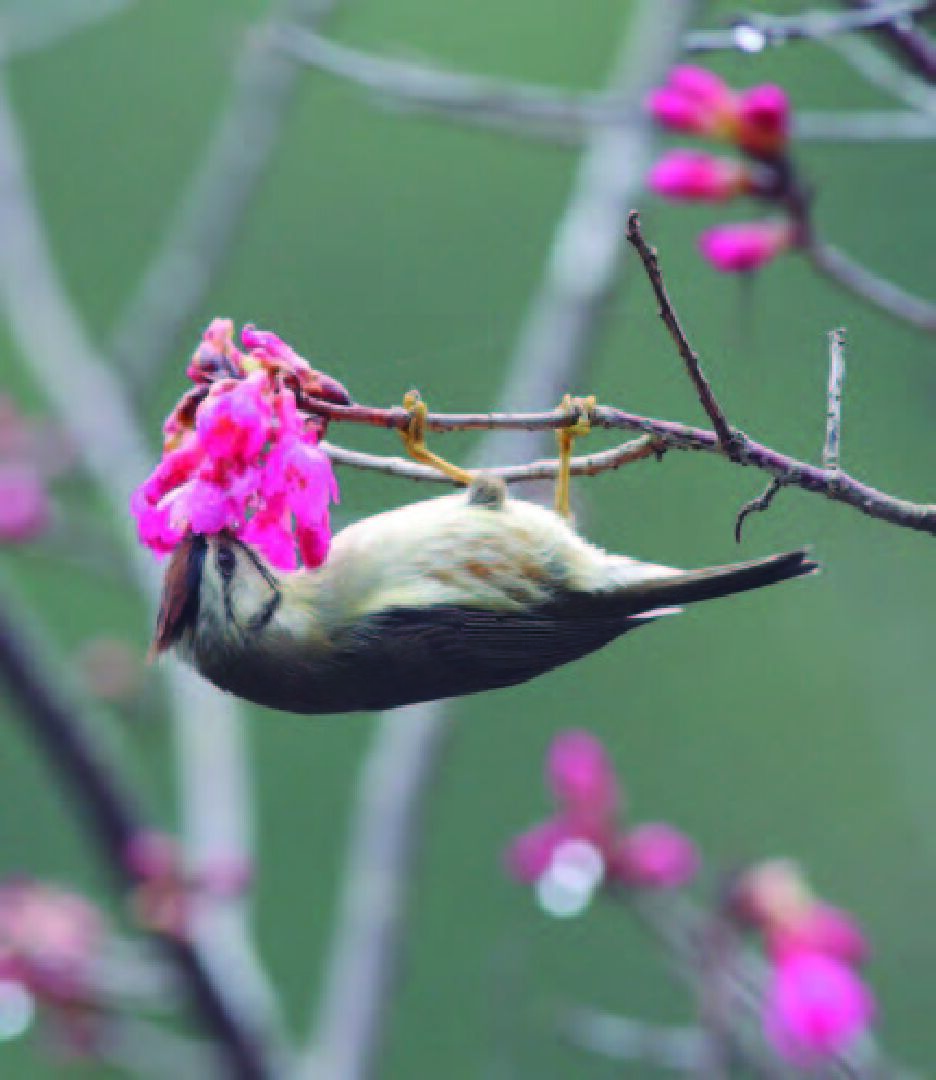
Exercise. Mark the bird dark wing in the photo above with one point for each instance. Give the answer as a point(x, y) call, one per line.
point(420, 654)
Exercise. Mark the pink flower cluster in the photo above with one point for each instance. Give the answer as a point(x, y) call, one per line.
point(240, 455)
point(589, 814)
point(816, 1004)
point(757, 122)
point(28, 457)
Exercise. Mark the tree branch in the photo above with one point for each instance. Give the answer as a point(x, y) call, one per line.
point(114, 822)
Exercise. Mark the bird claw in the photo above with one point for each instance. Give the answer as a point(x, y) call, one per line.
point(414, 439)
point(582, 409)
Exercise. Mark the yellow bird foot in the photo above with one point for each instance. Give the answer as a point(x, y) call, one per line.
point(582, 409)
point(414, 439)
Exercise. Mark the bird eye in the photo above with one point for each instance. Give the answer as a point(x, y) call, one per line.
point(226, 562)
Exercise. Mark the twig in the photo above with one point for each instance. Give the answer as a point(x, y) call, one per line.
point(755, 31)
point(880, 70)
point(833, 439)
point(387, 826)
point(916, 47)
point(211, 212)
point(114, 823)
point(625, 1039)
point(834, 264)
point(757, 505)
point(546, 469)
point(35, 27)
point(866, 126)
point(713, 410)
point(82, 389)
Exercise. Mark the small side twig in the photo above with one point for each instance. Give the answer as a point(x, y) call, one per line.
point(756, 506)
point(626, 1039)
point(833, 438)
point(648, 256)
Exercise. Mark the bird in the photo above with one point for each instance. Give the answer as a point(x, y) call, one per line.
point(441, 598)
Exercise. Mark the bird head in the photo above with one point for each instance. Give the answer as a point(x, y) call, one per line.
point(215, 588)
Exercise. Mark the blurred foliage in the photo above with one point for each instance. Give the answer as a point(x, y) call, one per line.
point(397, 251)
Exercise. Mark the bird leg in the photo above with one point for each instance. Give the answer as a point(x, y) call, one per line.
point(581, 408)
point(414, 439)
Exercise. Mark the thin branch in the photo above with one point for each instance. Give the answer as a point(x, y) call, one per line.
point(114, 822)
point(690, 357)
point(880, 70)
point(756, 31)
point(867, 126)
point(915, 46)
point(82, 389)
point(883, 294)
point(831, 449)
point(37, 27)
point(545, 469)
point(211, 213)
point(757, 505)
point(625, 1039)
point(388, 824)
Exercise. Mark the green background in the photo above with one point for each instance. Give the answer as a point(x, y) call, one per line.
point(397, 251)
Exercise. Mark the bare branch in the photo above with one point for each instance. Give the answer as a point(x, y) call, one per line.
point(868, 126)
point(879, 69)
point(833, 439)
point(756, 31)
point(624, 1039)
point(210, 214)
point(40, 26)
point(713, 410)
point(114, 822)
point(915, 46)
point(757, 505)
point(834, 264)
point(82, 389)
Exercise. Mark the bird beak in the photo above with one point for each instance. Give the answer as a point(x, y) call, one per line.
point(178, 607)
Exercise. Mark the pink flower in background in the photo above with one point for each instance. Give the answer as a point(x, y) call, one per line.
point(763, 121)
point(239, 454)
point(816, 1007)
point(745, 246)
point(48, 940)
point(25, 507)
point(655, 856)
point(691, 174)
point(586, 829)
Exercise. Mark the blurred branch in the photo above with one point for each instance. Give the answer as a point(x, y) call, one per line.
point(41, 26)
point(94, 410)
point(884, 125)
point(211, 213)
point(883, 72)
point(883, 294)
point(755, 31)
point(114, 822)
point(624, 1039)
point(915, 46)
point(403, 759)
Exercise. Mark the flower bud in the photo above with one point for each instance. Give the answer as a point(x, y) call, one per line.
point(691, 174)
point(745, 246)
point(655, 856)
point(763, 120)
point(581, 776)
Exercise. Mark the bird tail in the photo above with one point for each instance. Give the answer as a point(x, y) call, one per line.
point(712, 582)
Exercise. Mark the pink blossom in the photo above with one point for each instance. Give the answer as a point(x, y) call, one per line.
point(239, 456)
point(48, 938)
point(815, 1007)
point(820, 928)
point(25, 509)
point(655, 856)
point(581, 776)
point(690, 174)
point(529, 856)
point(763, 120)
point(745, 246)
point(696, 101)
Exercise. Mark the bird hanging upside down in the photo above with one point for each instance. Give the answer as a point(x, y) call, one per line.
point(437, 599)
